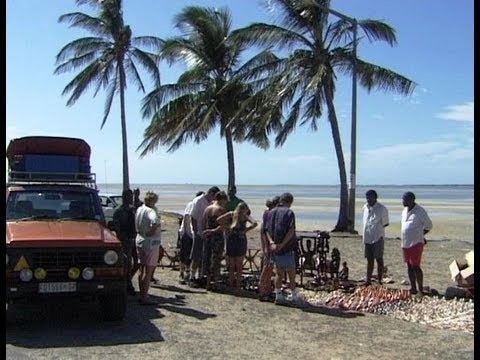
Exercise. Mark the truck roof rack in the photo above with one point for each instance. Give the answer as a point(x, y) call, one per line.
point(52, 178)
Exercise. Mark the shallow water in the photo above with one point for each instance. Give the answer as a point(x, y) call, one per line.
point(451, 207)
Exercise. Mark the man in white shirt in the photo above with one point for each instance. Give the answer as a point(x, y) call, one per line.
point(375, 219)
point(185, 233)
point(415, 224)
point(199, 204)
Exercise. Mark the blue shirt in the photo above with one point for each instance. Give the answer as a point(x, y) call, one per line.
point(279, 221)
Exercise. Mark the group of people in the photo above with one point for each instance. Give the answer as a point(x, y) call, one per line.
point(415, 223)
point(215, 225)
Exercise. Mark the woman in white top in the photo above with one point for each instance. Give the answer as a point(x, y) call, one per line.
point(147, 224)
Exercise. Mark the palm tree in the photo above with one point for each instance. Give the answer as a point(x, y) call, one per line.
point(305, 78)
point(210, 93)
point(105, 60)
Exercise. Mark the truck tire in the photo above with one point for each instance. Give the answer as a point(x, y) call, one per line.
point(113, 306)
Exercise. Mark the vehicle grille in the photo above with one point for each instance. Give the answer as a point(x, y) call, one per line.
point(62, 259)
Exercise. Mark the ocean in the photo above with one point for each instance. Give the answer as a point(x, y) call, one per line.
point(319, 204)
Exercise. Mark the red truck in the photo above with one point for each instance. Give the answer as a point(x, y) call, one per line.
point(57, 242)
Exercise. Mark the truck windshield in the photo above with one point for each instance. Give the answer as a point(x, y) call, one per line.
point(52, 204)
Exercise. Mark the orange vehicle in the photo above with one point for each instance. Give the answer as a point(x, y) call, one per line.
point(57, 242)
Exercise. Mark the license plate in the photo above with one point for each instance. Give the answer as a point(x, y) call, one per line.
point(57, 287)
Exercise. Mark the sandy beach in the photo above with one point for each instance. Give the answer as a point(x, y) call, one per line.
point(197, 324)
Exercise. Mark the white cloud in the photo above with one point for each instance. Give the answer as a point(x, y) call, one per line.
point(429, 153)
point(429, 162)
point(462, 112)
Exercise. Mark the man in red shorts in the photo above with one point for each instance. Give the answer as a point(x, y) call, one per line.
point(415, 224)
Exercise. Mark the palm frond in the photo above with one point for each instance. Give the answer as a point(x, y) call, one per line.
point(80, 47)
point(76, 62)
point(378, 30)
point(109, 71)
point(85, 21)
point(80, 83)
point(133, 74)
point(149, 62)
point(290, 124)
point(151, 42)
point(373, 76)
point(196, 74)
point(108, 102)
point(165, 93)
point(267, 35)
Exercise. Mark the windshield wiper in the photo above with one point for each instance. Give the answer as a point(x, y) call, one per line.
point(38, 217)
point(79, 218)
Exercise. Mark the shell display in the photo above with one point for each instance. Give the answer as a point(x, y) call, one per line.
point(436, 311)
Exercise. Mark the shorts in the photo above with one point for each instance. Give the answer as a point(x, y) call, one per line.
point(375, 250)
point(148, 257)
point(196, 255)
point(186, 243)
point(284, 261)
point(413, 255)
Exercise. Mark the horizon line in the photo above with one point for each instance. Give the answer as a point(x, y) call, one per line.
point(210, 184)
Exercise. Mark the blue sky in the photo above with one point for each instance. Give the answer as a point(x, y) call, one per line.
point(425, 138)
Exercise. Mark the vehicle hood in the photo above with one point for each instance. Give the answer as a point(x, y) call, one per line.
point(59, 233)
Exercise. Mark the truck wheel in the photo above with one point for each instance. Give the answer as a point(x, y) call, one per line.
point(113, 306)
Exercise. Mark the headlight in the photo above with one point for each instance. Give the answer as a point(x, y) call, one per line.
point(7, 259)
point(26, 275)
point(110, 257)
point(73, 273)
point(40, 274)
point(87, 273)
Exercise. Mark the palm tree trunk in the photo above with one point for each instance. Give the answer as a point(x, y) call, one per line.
point(230, 158)
point(126, 181)
point(342, 222)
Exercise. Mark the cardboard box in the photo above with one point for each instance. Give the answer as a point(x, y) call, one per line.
point(462, 270)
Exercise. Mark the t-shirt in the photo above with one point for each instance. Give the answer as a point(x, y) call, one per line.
point(186, 225)
point(199, 204)
point(124, 222)
point(414, 222)
point(374, 220)
point(145, 217)
point(279, 221)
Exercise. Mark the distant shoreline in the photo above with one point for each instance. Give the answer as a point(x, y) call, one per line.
point(294, 185)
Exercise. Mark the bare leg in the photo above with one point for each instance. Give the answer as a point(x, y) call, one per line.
point(279, 278)
point(264, 285)
point(413, 280)
point(145, 285)
point(141, 275)
point(291, 279)
point(380, 269)
point(231, 271)
point(238, 271)
point(419, 276)
point(370, 264)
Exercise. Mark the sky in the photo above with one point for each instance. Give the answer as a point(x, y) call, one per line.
point(424, 138)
